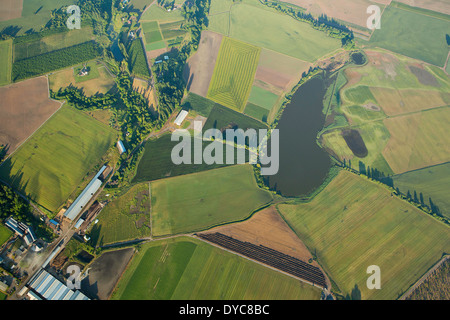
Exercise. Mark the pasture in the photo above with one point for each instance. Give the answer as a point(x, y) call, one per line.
point(100, 81)
point(156, 13)
point(233, 74)
point(281, 33)
point(199, 104)
point(256, 112)
point(126, 217)
point(54, 161)
point(5, 61)
point(189, 269)
point(433, 182)
point(414, 34)
point(355, 223)
point(205, 199)
point(25, 107)
point(151, 31)
point(262, 98)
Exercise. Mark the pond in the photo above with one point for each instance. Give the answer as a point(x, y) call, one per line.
point(304, 165)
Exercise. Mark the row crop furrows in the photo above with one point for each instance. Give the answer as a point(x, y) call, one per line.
point(270, 257)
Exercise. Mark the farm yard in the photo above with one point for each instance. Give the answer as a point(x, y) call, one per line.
point(55, 159)
point(99, 79)
point(202, 200)
point(354, 223)
point(233, 74)
point(186, 268)
point(126, 217)
point(25, 107)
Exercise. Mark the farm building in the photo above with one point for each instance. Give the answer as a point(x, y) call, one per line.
point(121, 147)
point(22, 230)
point(45, 286)
point(85, 196)
point(180, 118)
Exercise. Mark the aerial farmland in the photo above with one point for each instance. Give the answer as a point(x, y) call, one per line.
point(214, 151)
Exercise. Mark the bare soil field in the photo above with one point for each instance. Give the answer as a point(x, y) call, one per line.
point(200, 67)
point(24, 107)
point(279, 70)
point(434, 5)
point(267, 228)
point(155, 53)
point(143, 87)
point(353, 11)
point(105, 272)
point(10, 9)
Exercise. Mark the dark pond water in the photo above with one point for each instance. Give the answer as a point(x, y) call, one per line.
point(303, 164)
point(116, 51)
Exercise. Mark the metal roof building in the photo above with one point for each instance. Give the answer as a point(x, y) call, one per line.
point(180, 118)
point(84, 197)
point(50, 288)
point(121, 147)
point(21, 229)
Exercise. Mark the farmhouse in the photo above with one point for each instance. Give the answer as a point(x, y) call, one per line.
point(180, 118)
point(83, 72)
point(22, 230)
point(85, 196)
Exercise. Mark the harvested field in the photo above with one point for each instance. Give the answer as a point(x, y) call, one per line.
point(442, 6)
point(200, 67)
point(105, 272)
point(10, 9)
point(267, 228)
point(270, 257)
point(24, 107)
point(143, 87)
point(152, 54)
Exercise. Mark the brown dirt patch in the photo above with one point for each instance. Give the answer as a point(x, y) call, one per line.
point(10, 9)
point(267, 228)
point(24, 107)
point(200, 67)
point(155, 53)
point(105, 272)
point(434, 5)
point(424, 76)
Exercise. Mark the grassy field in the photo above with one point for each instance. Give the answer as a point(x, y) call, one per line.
point(281, 33)
point(5, 234)
point(155, 45)
point(355, 223)
point(262, 98)
point(5, 61)
point(151, 31)
point(100, 81)
point(127, 217)
point(199, 104)
point(55, 159)
point(233, 74)
point(415, 35)
point(24, 50)
point(157, 13)
point(201, 200)
point(432, 182)
point(256, 112)
point(189, 269)
point(91, 66)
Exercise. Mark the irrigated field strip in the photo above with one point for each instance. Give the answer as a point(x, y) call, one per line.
point(270, 257)
point(233, 74)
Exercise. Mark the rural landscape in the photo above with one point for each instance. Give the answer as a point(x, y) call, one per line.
point(128, 169)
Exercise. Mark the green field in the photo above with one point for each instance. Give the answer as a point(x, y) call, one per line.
point(222, 118)
point(5, 234)
point(201, 200)
point(256, 112)
point(138, 59)
point(127, 217)
point(262, 98)
point(234, 73)
point(27, 49)
point(5, 61)
point(432, 182)
point(156, 162)
point(189, 269)
point(281, 33)
point(152, 32)
point(92, 67)
point(355, 223)
point(155, 45)
point(53, 162)
point(415, 35)
point(199, 104)
point(157, 13)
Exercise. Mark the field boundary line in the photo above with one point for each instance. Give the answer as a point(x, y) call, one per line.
point(423, 278)
point(34, 132)
point(432, 166)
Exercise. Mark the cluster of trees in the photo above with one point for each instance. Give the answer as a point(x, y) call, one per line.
point(54, 60)
point(195, 13)
point(372, 173)
point(166, 4)
point(329, 25)
point(12, 205)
